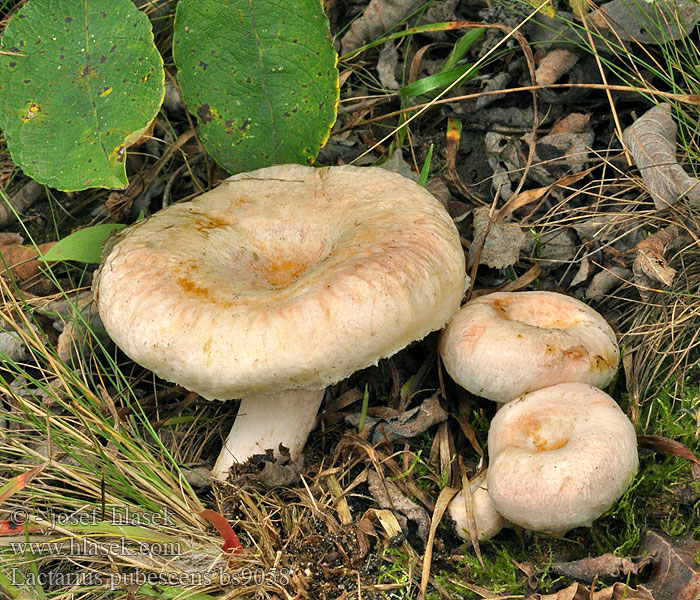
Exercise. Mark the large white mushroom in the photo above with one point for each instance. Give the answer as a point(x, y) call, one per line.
point(278, 283)
point(505, 344)
point(560, 457)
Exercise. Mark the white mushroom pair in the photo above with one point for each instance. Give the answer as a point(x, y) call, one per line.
point(278, 283)
point(561, 450)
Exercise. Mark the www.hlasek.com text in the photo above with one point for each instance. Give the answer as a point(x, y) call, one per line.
point(89, 547)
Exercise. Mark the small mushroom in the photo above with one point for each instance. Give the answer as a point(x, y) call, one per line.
point(505, 344)
point(487, 519)
point(278, 283)
point(560, 457)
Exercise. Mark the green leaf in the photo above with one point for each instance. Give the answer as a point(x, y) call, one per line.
point(425, 171)
point(84, 245)
point(85, 79)
point(463, 45)
point(438, 81)
point(260, 76)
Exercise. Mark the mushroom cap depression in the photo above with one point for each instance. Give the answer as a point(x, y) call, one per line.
point(505, 344)
point(559, 457)
point(287, 277)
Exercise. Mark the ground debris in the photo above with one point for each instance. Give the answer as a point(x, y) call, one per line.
point(20, 201)
point(407, 424)
point(500, 243)
point(605, 281)
point(652, 141)
point(379, 16)
point(388, 496)
point(650, 266)
point(576, 591)
point(675, 572)
point(605, 567)
point(22, 262)
point(553, 65)
point(386, 66)
point(499, 81)
point(672, 447)
point(645, 23)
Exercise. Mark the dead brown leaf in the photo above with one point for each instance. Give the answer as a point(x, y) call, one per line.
point(528, 196)
point(573, 123)
point(652, 141)
point(553, 65)
point(502, 242)
point(675, 572)
point(617, 591)
point(407, 424)
point(379, 16)
point(605, 567)
point(667, 446)
point(21, 261)
point(637, 21)
point(650, 265)
point(386, 66)
point(388, 496)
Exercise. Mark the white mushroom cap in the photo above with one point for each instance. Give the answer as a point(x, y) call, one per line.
point(487, 519)
point(560, 457)
point(504, 344)
point(288, 277)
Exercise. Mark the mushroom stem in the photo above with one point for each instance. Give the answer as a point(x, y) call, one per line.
point(265, 422)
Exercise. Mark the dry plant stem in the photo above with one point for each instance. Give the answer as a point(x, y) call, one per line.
point(613, 112)
point(690, 99)
point(265, 422)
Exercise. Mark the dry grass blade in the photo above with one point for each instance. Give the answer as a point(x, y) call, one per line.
point(107, 496)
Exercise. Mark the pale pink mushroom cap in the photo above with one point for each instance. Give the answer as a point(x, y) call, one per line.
point(288, 277)
point(502, 345)
point(560, 457)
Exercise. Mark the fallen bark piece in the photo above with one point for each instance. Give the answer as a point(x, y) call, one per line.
point(606, 567)
point(652, 141)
